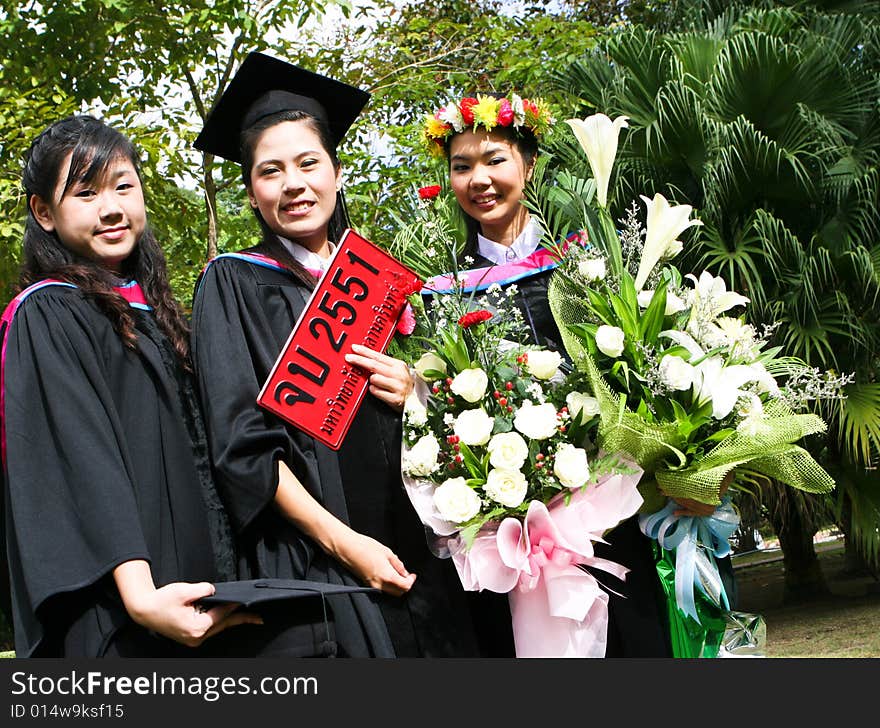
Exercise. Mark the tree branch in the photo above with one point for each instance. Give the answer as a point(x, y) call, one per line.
point(417, 64)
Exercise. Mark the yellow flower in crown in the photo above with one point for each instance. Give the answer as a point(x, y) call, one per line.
point(436, 128)
point(434, 134)
point(485, 112)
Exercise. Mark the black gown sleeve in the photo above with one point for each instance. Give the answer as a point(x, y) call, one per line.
point(241, 318)
point(71, 508)
point(230, 333)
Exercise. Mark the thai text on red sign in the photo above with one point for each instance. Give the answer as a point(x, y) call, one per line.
point(357, 301)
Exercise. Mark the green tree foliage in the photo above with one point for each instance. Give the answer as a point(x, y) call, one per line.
point(766, 119)
point(412, 56)
point(155, 69)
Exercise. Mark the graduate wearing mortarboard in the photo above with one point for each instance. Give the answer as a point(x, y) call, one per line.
point(300, 509)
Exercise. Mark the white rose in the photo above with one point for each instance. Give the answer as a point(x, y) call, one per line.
point(470, 384)
point(593, 269)
point(507, 487)
point(578, 402)
point(609, 340)
point(676, 373)
point(421, 458)
point(429, 361)
point(570, 466)
point(414, 411)
point(537, 422)
point(542, 363)
point(456, 501)
point(508, 451)
point(474, 427)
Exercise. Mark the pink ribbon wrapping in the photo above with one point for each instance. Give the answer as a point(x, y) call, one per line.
point(557, 608)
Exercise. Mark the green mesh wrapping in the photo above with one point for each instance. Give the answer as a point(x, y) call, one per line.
point(657, 447)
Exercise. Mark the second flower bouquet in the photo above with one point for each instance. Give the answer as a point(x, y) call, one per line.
point(499, 465)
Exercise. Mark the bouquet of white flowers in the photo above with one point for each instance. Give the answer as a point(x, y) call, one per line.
point(498, 464)
point(690, 391)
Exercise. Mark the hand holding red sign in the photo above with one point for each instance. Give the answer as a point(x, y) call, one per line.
point(313, 384)
point(390, 379)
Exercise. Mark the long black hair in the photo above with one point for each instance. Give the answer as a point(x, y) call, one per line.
point(270, 244)
point(93, 146)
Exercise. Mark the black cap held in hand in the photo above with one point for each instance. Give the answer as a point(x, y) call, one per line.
point(264, 86)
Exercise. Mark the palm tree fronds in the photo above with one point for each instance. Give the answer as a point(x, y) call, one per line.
point(858, 422)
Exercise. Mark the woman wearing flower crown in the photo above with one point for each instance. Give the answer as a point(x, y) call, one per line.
point(302, 510)
point(491, 143)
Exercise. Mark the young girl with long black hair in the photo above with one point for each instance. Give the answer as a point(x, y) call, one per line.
point(113, 529)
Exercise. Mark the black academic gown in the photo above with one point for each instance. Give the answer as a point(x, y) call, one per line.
point(100, 469)
point(637, 623)
point(243, 314)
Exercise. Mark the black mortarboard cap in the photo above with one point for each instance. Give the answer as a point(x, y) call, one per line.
point(257, 591)
point(264, 85)
point(254, 594)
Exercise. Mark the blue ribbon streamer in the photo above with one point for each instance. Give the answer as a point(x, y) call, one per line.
point(691, 538)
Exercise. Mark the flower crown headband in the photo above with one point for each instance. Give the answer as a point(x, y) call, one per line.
point(486, 112)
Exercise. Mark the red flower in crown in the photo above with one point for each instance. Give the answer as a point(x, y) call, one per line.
point(429, 192)
point(472, 318)
point(530, 106)
point(505, 113)
point(466, 106)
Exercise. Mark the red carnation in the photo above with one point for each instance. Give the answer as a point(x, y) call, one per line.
point(529, 106)
point(472, 318)
point(407, 322)
point(466, 106)
point(414, 287)
point(429, 192)
point(505, 113)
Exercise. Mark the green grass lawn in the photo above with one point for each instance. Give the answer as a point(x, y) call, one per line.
point(843, 624)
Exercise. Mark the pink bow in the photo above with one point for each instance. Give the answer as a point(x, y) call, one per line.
point(558, 609)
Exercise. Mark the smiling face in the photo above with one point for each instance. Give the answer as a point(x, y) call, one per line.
point(101, 220)
point(487, 173)
point(293, 183)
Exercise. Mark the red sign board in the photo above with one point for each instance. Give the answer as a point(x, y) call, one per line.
point(357, 301)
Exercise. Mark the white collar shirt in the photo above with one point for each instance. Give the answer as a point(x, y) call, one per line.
point(525, 244)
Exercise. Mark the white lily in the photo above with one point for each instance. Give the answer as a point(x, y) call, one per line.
point(597, 135)
point(684, 339)
point(673, 303)
point(711, 296)
point(665, 223)
point(721, 384)
point(751, 411)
